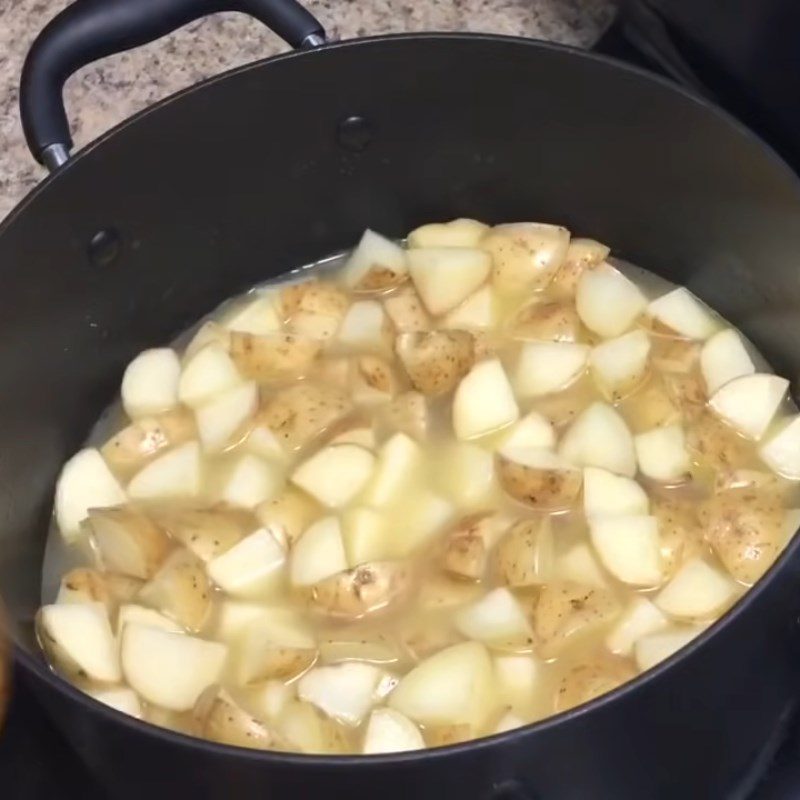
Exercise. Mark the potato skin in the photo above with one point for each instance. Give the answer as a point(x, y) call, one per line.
point(90, 585)
point(543, 489)
point(467, 545)
point(437, 360)
point(556, 321)
point(680, 531)
point(587, 681)
point(408, 413)
point(406, 311)
point(220, 719)
point(276, 357)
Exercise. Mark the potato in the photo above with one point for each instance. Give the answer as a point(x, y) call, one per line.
point(451, 687)
point(546, 367)
point(127, 541)
point(250, 481)
point(288, 514)
point(445, 276)
point(723, 358)
point(687, 392)
point(422, 636)
point(299, 414)
point(277, 644)
point(408, 413)
point(508, 722)
point(365, 327)
point(150, 382)
point(682, 313)
point(446, 735)
point(715, 445)
point(599, 437)
point(497, 620)
point(629, 548)
point(275, 357)
point(640, 618)
point(526, 255)
point(366, 535)
point(440, 592)
point(260, 314)
point(119, 698)
point(554, 321)
point(562, 408)
point(582, 255)
point(78, 639)
point(424, 515)
point(619, 366)
point(123, 588)
point(376, 264)
point(142, 615)
point(362, 435)
point(607, 494)
point(318, 553)
point(436, 361)
point(374, 380)
point(579, 565)
point(308, 731)
point(674, 356)
point(180, 589)
point(224, 420)
point(662, 454)
point(586, 682)
point(657, 647)
point(129, 450)
point(566, 612)
point(388, 731)
point(85, 482)
point(406, 311)
point(525, 556)
point(697, 591)
point(755, 479)
point(607, 302)
point(484, 401)
point(362, 590)
point(209, 332)
point(356, 645)
point(206, 532)
point(168, 669)
point(206, 373)
point(651, 406)
point(252, 568)
point(749, 403)
point(313, 297)
point(335, 474)
point(518, 677)
point(83, 585)
point(679, 529)
point(222, 720)
point(539, 478)
point(533, 431)
point(465, 474)
point(456, 233)
point(466, 547)
point(177, 473)
point(399, 460)
point(477, 313)
point(269, 700)
point(781, 451)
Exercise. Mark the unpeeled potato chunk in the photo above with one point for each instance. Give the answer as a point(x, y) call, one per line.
point(275, 357)
point(680, 530)
point(408, 413)
point(524, 556)
point(467, 545)
point(585, 682)
point(556, 321)
point(539, 478)
point(437, 360)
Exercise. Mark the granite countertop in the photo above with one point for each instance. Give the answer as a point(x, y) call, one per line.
point(107, 92)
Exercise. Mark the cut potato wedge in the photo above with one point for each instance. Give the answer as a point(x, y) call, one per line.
point(269, 699)
point(436, 361)
point(484, 401)
point(781, 451)
point(208, 372)
point(288, 514)
point(425, 514)
point(679, 530)
point(582, 255)
point(681, 312)
point(662, 454)
point(313, 296)
point(585, 682)
point(607, 302)
point(477, 313)
point(259, 315)
point(223, 420)
point(446, 276)
point(460, 232)
point(554, 321)
point(518, 678)
point(310, 731)
point(85, 482)
point(388, 731)
point(525, 554)
point(466, 547)
point(620, 365)
point(697, 591)
point(376, 264)
point(497, 620)
point(318, 553)
point(150, 382)
point(714, 445)
point(546, 367)
point(221, 719)
point(607, 494)
point(651, 406)
point(406, 311)
point(335, 474)
point(251, 481)
point(465, 474)
point(408, 413)
point(533, 431)
point(629, 548)
point(599, 437)
point(749, 403)
point(84, 585)
point(365, 327)
point(365, 535)
point(579, 565)
point(539, 478)
point(345, 692)
point(640, 618)
point(276, 644)
point(119, 698)
point(142, 615)
point(723, 358)
point(657, 647)
point(78, 638)
point(253, 568)
point(168, 669)
point(206, 532)
point(373, 381)
point(275, 357)
point(399, 461)
point(178, 473)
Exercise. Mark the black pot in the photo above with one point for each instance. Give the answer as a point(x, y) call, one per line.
point(284, 161)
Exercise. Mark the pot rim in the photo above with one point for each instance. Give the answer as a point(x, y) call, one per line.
point(34, 665)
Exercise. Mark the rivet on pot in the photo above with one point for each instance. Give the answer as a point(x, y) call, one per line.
point(354, 133)
point(104, 247)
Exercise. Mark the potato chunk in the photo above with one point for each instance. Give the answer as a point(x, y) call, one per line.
point(437, 360)
point(525, 555)
point(276, 357)
point(588, 681)
point(467, 545)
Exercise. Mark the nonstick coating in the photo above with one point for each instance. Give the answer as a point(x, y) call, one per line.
point(264, 169)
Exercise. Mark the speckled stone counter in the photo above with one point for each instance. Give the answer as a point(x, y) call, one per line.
point(111, 90)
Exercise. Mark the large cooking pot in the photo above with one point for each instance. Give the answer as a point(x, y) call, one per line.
point(286, 160)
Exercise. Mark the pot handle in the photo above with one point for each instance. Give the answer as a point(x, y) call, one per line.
point(91, 29)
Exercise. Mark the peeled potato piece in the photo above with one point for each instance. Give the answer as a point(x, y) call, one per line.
point(539, 478)
point(546, 367)
point(585, 682)
point(223, 720)
point(269, 699)
point(128, 541)
point(119, 698)
point(620, 365)
point(651, 406)
point(467, 545)
point(517, 676)
point(445, 276)
point(607, 302)
point(696, 591)
point(497, 620)
point(408, 413)
point(335, 474)
point(662, 454)
point(83, 585)
point(250, 481)
point(399, 460)
point(425, 515)
point(680, 311)
point(579, 565)
point(406, 311)
point(465, 474)
point(150, 382)
point(288, 514)
point(525, 554)
point(749, 403)
point(365, 327)
point(679, 529)
point(142, 615)
point(484, 401)
point(723, 358)
point(177, 473)
point(478, 312)
point(309, 731)
point(567, 611)
point(605, 493)
point(207, 372)
point(629, 548)
point(388, 731)
point(461, 232)
point(656, 647)
point(532, 431)
point(366, 535)
point(206, 532)
point(252, 568)
point(436, 360)
point(259, 315)
point(376, 264)
point(318, 553)
point(223, 420)
point(554, 321)
point(274, 357)
point(781, 452)
point(640, 618)
point(582, 255)
point(526, 255)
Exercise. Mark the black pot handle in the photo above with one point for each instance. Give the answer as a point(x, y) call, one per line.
point(91, 29)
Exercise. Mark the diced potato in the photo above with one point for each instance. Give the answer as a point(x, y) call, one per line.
point(78, 638)
point(460, 232)
point(640, 618)
point(553, 321)
point(123, 588)
point(607, 494)
point(259, 315)
point(696, 591)
point(209, 332)
point(362, 435)
point(309, 731)
point(607, 302)
point(679, 529)
point(662, 454)
point(650, 407)
point(374, 381)
point(424, 515)
point(288, 514)
point(318, 553)
point(532, 431)
point(484, 401)
point(546, 367)
point(408, 413)
point(673, 355)
point(365, 327)
point(657, 647)
point(85, 482)
point(335, 474)
point(150, 382)
point(517, 679)
point(781, 451)
point(206, 532)
point(723, 358)
point(251, 481)
point(223, 420)
point(422, 636)
point(508, 722)
point(582, 255)
point(345, 692)
point(142, 615)
point(208, 372)
point(376, 264)
point(526, 255)
point(222, 720)
point(168, 669)
point(525, 554)
point(180, 589)
point(356, 645)
point(681, 312)
point(313, 325)
point(715, 445)
point(620, 365)
point(83, 585)
point(388, 731)
point(366, 536)
point(274, 645)
point(579, 565)
point(178, 473)
point(262, 442)
point(274, 357)
point(128, 541)
point(465, 474)
point(451, 687)
point(233, 616)
point(539, 478)
point(585, 682)
point(253, 568)
point(269, 699)
point(749, 403)
point(629, 548)
point(313, 297)
point(446, 276)
point(478, 312)
point(406, 311)
point(444, 593)
point(119, 698)
point(599, 437)
point(436, 361)
point(496, 620)
point(566, 612)
point(399, 461)
point(565, 406)
point(467, 545)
